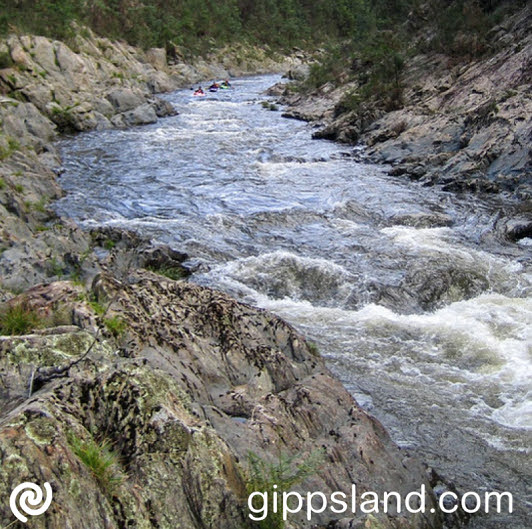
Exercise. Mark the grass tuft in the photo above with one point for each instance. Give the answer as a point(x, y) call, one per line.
point(101, 460)
point(115, 325)
point(19, 319)
point(285, 473)
point(171, 272)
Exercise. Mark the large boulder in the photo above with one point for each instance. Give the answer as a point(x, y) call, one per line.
point(124, 99)
point(141, 115)
point(157, 58)
point(24, 122)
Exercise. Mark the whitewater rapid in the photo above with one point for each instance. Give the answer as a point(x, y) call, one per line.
point(419, 306)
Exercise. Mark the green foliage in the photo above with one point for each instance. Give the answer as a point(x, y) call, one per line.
point(45, 17)
point(19, 319)
point(97, 307)
point(115, 325)
point(11, 145)
point(171, 272)
point(55, 267)
point(375, 64)
point(313, 348)
point(460, 27)
point(109, 244)
point(269, 106)
point(5, 60)
point(64, 118)
point(2, 183)
point(286, 472)
point(100, 459)
point(197, 27)
point(194, 26)
point(39, 206)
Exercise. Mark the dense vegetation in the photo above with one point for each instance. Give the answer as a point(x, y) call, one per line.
point(195, 25)
point(198, 25)
point(369, 39)
point(402, 28)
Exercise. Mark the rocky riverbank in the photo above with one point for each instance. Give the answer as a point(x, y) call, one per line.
point(464, 126)
point(137, 396)
point(49, 88)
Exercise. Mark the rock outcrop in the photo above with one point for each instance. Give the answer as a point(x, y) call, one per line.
point(464, 126)
point(189, 386)
point(74, 89)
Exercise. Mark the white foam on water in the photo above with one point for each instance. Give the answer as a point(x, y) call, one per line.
point(485, 340)
point(527, 242)
point(515, 414)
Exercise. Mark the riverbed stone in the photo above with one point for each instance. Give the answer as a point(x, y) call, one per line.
point(141, 115)
point(124, 99)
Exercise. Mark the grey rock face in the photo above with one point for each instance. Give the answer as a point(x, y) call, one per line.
point(140, 116)
point(466, 127)
point(124, 99)
point(191, 385)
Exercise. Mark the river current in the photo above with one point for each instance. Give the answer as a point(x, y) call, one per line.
point(418, 305)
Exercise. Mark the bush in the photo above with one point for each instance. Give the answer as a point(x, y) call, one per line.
point(115, 325)
point(5, 60)
point(64, 118)
point(171, 272)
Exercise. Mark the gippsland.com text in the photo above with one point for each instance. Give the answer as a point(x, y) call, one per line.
point(261, 504)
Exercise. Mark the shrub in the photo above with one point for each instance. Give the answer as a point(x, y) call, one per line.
point(5, 60)
point(171, 272)
point(312, 348)
point(55, 267)
point(97, 307)
point(109, 244)
point(115, 325)
point(64, 118)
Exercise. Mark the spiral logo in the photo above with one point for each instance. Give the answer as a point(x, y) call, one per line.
point(31, 496)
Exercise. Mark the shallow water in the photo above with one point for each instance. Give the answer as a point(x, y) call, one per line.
point(418, 305)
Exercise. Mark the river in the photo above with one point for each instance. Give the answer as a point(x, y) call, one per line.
point(417, 304)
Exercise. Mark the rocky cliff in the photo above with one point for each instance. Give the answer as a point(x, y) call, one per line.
point(137, 397)
point(462, 125)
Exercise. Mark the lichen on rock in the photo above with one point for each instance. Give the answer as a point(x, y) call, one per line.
point(198, 383)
